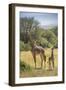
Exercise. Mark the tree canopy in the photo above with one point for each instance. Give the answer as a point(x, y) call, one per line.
point(30, 29)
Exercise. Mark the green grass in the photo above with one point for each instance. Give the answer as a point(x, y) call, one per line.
point(27, 67)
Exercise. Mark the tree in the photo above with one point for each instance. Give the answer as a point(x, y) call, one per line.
point(51, 37)
point(30, 30)
point(55, 30)
point(26, 26)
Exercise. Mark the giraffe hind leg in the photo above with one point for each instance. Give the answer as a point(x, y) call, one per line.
point(41, 60)
point(44, 58)
point(34, 56)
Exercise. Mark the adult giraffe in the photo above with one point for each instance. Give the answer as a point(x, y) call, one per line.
point(36, 49)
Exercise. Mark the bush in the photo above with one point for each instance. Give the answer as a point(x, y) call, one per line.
point(24, 46)
point(24, 66)
point(44, 43)
point(27, 47)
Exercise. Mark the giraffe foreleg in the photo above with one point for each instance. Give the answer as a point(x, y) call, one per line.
point(53, 63)
point(49, 63)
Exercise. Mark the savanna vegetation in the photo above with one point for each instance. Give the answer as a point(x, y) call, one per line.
point(46, 38)
point(27, 67)
point(30, 29)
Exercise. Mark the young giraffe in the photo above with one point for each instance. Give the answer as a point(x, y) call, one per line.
point(51, 59)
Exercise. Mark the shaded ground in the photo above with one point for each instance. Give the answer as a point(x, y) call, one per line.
point(38, 73)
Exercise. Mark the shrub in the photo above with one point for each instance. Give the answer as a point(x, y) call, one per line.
point(24, 66)
point(24, 46)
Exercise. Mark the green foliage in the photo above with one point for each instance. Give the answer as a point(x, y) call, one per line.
point(44, 43)
point(24, 46)
point(26, 26)
point(51, 37)
point(27, 47)
point(55, 30)
point(24, 66)
point(30, 30)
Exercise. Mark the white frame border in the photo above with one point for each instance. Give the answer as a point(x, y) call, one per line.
point(17, 33)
